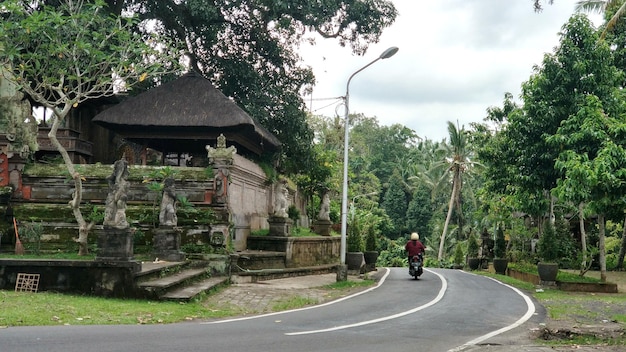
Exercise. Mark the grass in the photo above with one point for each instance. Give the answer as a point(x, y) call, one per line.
point(54, 255)
point(48, 308)
point(578, 308)
point(297, 232)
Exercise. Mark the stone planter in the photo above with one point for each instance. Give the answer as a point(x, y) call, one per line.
point(500, 265)
point(473, 263)
point(355, 261)
point(548, 272)
point(370, 259)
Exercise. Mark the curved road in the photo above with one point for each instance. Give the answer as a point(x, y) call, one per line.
point(446, 310)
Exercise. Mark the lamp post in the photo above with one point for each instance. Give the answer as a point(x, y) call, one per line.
point(352, 208)
point(344, 200)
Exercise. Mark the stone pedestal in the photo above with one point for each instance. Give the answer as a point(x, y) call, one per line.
point(322, 227)
point(280, 226)
point(166, 244)
point(342, 272)
point(218, 235)
point(115, 245)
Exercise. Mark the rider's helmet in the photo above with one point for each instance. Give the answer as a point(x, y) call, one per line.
point(415, 236)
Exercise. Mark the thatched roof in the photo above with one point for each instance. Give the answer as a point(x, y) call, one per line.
point(185, 115)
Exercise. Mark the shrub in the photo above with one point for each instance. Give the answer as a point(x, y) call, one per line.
point(556, 245)
point(370, 241)
point(499, 249)
point(472, 246)
point(458, 254)
point(31, 234)
point(355, 242)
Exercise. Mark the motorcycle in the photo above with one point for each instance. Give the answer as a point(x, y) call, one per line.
point(416, 267)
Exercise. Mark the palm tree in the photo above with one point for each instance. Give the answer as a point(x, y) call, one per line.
point(456, 163)
point(600, 6)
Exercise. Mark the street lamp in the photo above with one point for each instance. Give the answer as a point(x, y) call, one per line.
point(344, 200)
point(352, 208)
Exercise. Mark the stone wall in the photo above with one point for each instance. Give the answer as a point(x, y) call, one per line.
point(109, 279)
point(300, 251)
point(248, 208)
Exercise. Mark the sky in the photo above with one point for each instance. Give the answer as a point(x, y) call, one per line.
point(456, 58)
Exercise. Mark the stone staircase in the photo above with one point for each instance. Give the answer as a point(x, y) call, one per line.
point(183, 281)
point(178, 281)
point(255, 266)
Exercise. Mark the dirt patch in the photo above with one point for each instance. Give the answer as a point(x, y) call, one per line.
point(591, 315)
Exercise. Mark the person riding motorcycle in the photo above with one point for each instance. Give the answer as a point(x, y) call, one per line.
point(414, 247)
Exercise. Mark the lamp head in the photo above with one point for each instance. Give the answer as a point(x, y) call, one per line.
point(389, 53)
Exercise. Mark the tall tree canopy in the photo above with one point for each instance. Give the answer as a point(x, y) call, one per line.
point(64, 55)
point(580, 65)
point(249, 50)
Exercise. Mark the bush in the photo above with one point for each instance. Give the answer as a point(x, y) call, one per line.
point(355, 242)
point(499, 249)
point(31, 234)
point(370, 241)
point(458, 254)
point(556, 245)
point(472, 246)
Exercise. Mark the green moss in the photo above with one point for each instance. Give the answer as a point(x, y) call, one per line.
point(136, 172)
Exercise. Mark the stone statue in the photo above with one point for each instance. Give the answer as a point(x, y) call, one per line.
point(167, 216)
point(220, 186)
point(221, 154)
point(115, 205)
point(281, 203)
point(324, 213)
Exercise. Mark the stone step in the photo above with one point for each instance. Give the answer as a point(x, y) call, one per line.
point(188, 292)
point(155, 270)
point(173, 280)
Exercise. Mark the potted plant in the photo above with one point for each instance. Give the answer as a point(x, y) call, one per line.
point(354, 257)
point(500, 262)
point(548, 251)
point(370, 254)
point(472, 252)
point(458, 257)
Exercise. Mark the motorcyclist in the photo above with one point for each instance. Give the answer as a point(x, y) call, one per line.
point(414, 247)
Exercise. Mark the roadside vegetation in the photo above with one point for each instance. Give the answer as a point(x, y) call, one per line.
point(577, 318)
point(49, 308)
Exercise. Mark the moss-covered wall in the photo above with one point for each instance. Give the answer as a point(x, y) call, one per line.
point(50, 192)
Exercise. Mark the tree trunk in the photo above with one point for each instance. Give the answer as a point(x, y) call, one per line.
point(583, 237)
point(83, 227)
point(622, 250)
point(601, 247)
point(552, 216)
point(448, 217)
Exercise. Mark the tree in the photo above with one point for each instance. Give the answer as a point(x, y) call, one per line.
point(61, 56)
point(617, 7)
point(248, 49)
point(554, 92)
point(395, 204)
point(593, 162)
point(419, 212)
point(457, 163)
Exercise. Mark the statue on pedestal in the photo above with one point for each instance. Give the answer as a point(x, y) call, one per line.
point(115, 206)
point(167, 216)
point(281, 204)
point(324, 213)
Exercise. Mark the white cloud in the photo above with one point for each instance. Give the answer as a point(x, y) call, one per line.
point(456, 59)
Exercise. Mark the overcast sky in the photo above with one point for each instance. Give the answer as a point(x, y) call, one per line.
point(456, 58)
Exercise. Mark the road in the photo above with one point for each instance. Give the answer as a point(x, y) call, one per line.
point(446, 310)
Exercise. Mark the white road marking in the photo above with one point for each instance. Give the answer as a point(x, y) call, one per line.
point(529, 313)
point(380, 282)
point(444, 286)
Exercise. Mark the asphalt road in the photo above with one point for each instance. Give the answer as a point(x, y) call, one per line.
point(445, 310)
